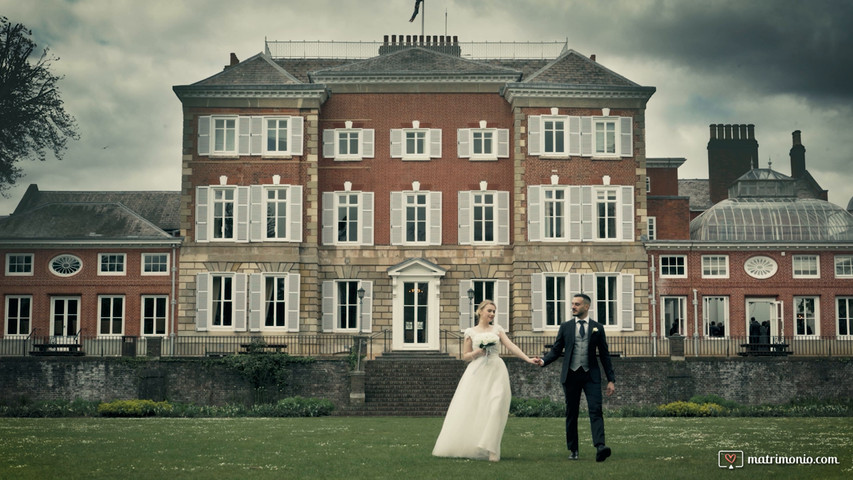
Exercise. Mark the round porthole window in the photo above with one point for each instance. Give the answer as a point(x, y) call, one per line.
point(65, 265)
point(760, 267)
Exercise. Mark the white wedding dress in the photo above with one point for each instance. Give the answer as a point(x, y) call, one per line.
point(477, 414)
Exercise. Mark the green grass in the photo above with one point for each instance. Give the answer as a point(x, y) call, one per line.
point(392, 448)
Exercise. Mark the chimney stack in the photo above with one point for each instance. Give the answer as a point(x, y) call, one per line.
point(798, 156)
point(732, 152)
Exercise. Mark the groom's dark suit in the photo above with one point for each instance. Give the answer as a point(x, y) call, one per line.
point(575, 381)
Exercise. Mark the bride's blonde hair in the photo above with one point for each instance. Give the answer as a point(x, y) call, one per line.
point(481, 306)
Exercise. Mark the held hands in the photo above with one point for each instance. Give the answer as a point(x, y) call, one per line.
point(534, 360)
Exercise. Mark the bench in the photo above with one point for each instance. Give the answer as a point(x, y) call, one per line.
point(41, 349)
point(262, 347)
point(764, 350)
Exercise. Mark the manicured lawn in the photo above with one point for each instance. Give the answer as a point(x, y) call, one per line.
point(392, 448)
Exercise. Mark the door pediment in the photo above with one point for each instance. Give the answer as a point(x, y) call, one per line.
point(416, 267)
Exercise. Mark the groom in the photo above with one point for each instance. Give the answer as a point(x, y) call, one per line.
point(581, 338)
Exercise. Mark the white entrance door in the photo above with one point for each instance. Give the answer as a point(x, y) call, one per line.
point(415, 314)
point(64, 318)
point(416, 285)
point(765, 310)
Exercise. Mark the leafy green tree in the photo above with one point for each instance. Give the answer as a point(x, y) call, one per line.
point(32, 117)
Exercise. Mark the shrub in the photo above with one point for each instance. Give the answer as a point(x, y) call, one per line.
point(728, 404)
point(134, 408)
point(692, 409)
point(536, 407)
point(294, 407)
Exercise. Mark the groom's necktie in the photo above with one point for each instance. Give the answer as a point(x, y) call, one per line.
point(583, 330)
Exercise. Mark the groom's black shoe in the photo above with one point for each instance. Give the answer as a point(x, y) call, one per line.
point(603, 453)
point(573, 455)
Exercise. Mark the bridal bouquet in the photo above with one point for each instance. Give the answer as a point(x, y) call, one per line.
point(489, 340)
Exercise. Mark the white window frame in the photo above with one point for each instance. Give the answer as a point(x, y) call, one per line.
point(122, 264)
point(652, 228)
point(603, 197)
point(206, 211)
point(706, 318)
point(431, 143)
point(648, 184)
point(844, 266)
point(815, 319)
point(680, 265)
point(499, 290)
point(28, 264)
point(467, 140)
point(17, 319)
point(798, 267)
point(399, 217)
point(578, 136)
point(145, 317)
point(259, 213)
point(364, 224)
point(580, 215)
point(206, 299)
point(111, 319)
point(715, 266)
point(680, 316)
point(848, 320)
point(147, 260)
point(249, 136)
point(500, 217)
point(587, 283)
point(331, 306)
point(364, 141)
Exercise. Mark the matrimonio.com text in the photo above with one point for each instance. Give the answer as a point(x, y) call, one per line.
point(732, 459)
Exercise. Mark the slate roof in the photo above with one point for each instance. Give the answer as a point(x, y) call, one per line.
point(257, 70)
point(160, 208)
point(82, 222)
point(699, 191)
point(573, 68)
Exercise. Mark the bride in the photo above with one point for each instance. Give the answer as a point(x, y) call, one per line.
point(477, 415)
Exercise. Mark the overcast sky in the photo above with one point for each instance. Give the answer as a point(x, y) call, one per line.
point(782, 65)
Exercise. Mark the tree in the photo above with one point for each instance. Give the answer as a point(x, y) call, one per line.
point(32, 117)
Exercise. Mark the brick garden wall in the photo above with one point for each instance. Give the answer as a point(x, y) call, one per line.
point(640, 381)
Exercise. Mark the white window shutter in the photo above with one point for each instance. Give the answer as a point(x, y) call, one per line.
point(574, 136)
point(202, 199)
point(503, 218)
point(463, 142)
point(256, 141)
point(396, 143)
point(367, 307)
point(534, 135)
point(244, 132)
point(396, 218)
point(586, 136)
point(466, 314)
point(587, 213)
point(240, 285)
point(537, 299)
point(626, 132)
point(463, 231)
point(329, 140)
point(368, 143)
point(257, 214)
point(626, 302)
point(256, 302)
point(503, 143)
point(242, 214)
point(588, 287)
point(435, 218)
point(328, 305)
point(294, 198)
point(435, 143)
point(627, 205)
point(575, 220)
point(204, 135)
point(573, 285)
point(292, 286)
point(502, 303)
point(534, 213)
point(329, 218)
point(367, 210)
point(296, 135)
point(202, 301)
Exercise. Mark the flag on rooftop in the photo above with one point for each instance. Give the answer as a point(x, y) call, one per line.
point(417, 7)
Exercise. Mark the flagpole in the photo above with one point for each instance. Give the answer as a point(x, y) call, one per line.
point(423, 16)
